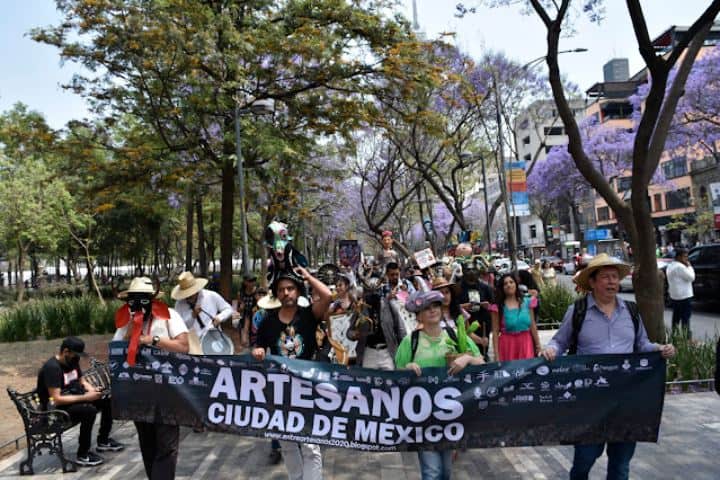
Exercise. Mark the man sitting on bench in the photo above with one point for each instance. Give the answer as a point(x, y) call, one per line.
point(60, 385)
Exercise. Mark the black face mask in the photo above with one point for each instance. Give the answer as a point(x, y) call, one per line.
point(72, 361)
point(140, 301)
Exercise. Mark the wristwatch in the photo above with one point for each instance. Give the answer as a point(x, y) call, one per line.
point(155, 341)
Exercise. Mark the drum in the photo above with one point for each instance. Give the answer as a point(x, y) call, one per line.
point(215, 342)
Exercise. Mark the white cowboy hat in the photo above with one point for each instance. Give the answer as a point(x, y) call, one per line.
point(582, 279)
point(187, 286)
point(140, 285)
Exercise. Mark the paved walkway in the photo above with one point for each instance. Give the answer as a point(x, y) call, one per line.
point(688, 448)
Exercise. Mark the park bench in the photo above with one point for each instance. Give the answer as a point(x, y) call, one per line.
point(44, 429)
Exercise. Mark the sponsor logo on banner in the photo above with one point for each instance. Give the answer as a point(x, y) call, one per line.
point(173, 380)
point(183, 369)
point(141, 377)
point(597, 368)
point(643, 365)
point(542, 370)
point(601, 382)
point(123, 376)
point(158, 378)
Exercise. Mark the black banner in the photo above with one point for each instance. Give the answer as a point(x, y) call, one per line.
point(575, 399)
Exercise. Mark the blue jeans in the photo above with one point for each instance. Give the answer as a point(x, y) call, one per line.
point(619, 456)
point(682, 310)
point(435, 465)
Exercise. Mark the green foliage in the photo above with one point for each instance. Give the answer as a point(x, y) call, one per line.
point(57, 318)
point(463, 336)
point(694, 360)
point(554, 302)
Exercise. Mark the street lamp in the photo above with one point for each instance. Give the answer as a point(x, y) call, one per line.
point(500, 153)
point(485, 198)
point(259, 107)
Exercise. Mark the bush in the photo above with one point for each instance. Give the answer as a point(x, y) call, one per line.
point(57, 318)
point(554, 302)
point(694, 360)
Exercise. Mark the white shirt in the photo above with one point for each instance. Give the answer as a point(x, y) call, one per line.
point(680, 279)
point(170, 329)
point(212, 305)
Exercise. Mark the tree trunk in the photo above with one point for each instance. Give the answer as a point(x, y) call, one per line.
point(202, 257)
point(91, 273)
point(189, 232)
point(19, 278)
point(227, 211)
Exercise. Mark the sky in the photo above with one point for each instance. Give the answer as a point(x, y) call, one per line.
point(31, 73)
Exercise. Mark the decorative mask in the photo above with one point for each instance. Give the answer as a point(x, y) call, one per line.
point(277, 239)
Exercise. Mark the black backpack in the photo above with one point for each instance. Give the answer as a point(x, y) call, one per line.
point(415, 337)
point(579, 317)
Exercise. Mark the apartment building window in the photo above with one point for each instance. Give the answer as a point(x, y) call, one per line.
point(526, 140)
point(677, 167)
point(527, 157)
point(548, 148)
point(554, 131)
point(624, 183)
point(678, 199)
point(533, 231)
point(658, 202)
point(603, 213)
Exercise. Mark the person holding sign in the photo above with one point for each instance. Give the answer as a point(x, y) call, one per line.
point(143, 320)
point(600, 323)
point(290, 331)
point(431, 347)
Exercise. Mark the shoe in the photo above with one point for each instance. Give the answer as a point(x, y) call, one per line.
point(275, 456)
point(90, 459)
point(109, 445)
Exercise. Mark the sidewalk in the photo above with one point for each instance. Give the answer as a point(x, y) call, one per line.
point(688, 448)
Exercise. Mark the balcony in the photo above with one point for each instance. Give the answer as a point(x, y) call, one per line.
point(697, 166)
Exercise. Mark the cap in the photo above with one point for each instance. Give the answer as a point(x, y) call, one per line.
point(419, 301)
point(75, 345)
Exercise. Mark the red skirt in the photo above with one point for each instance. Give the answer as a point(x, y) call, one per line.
point(515, 346)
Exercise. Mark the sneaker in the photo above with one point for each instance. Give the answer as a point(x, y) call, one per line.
point(109, 445)
point(90, 459)
point(275, 456)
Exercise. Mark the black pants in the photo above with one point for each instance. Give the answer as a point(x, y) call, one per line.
point(84, 414)
point(159, 448)
point(682, 310)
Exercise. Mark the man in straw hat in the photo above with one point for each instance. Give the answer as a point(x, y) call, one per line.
point(145, 321)
point(608, 325)
point(200, 309)
point(290, 331)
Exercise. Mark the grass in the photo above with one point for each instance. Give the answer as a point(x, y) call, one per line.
point(694, 360)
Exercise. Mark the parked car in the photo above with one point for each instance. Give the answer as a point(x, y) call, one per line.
point(705, 260)
point(626, 284)
point(556, 262)
point(504, 265)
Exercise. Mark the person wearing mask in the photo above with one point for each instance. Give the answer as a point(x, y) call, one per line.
point(162, 328)
point(60, 384)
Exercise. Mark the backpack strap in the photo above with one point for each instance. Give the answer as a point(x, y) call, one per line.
point(579, 310)
point(635, 316)
point(451, 333)
point(414, 338)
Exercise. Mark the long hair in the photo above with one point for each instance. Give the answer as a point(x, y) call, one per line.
point(500, 296)
point(454, 307)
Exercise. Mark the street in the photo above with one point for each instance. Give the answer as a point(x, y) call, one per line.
point(705, 320)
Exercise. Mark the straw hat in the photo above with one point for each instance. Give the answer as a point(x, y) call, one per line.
point(268, 302)
point(582, 279)
point(441, 282)
point(140, 285)
point(187, 286)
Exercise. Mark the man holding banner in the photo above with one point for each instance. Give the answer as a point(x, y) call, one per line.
point(601, 323)
point(147, 321)
point(290, 331)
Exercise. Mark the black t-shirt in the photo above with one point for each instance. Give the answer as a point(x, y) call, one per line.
point(476, 293)
point(293, 340)
point(54, 374)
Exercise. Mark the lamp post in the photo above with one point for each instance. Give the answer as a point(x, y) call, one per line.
point(500, 153)
point(485, 199)
point(259, 107)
